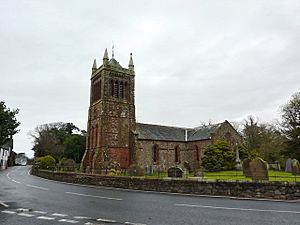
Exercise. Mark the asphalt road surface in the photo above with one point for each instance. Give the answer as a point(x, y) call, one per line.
point(26, 199)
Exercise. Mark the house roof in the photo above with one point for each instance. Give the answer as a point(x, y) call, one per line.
point(168, 133)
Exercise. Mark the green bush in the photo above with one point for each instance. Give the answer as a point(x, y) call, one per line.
point(218, 157)
point(46, 162)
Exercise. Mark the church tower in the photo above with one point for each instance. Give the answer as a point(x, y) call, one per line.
point(111, 116)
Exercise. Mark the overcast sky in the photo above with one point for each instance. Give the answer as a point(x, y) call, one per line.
point(194, 60)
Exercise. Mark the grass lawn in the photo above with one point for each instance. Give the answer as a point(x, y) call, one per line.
point(238, 175)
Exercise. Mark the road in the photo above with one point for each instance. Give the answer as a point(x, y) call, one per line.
point(26, 199)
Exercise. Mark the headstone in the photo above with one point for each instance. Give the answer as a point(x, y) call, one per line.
point(199, 173)
point(187, 166)
point(278, 165)
point(259, 169)
point(246, 167)
point(175, 172)
point(288, 165)
point(135, 170)
point(238, 165)
point(295, 167)
point(149, 170)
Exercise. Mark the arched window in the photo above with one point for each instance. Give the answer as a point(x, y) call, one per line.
point(116, 91)
point(177, 154)
point(197, 153)
point(112, 88)
point(155, 151)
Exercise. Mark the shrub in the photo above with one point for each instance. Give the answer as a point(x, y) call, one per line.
point(46, 162)
point(114, 172)
point(218, 157)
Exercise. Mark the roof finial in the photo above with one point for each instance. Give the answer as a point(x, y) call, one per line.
point(113, 50)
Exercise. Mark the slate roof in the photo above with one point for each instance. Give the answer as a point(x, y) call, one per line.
point(167, 133)
point(114, 63)
point(202, 132)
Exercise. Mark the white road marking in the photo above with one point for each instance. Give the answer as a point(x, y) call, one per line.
point(106, 220)
point(59, 214)
point(239, 209)
point(40, 212)
point(25, 214)
point(94, 196)
point(45, 218)
point(82, 217)
point(8, 212)
point(129, 223)
point(3, 204)
point(37, 187)
point(89, 223)
point(18, 182)
point(68, 221)
point(23, 210)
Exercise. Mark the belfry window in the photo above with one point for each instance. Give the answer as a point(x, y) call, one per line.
point(116, 89)
point(111, 88)
point(121, 90)
point(96, 90)
point(125, 90)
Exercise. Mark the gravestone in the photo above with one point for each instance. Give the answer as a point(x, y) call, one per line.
point(246, 167)
point(135, 170)
point(295, 165)
point(288, 165)
point(238, 165)
point(175, 172)
point(259, 169)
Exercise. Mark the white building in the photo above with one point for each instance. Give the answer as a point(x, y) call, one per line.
point(5, 151)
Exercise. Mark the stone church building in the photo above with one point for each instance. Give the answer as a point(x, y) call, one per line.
point(114, 135)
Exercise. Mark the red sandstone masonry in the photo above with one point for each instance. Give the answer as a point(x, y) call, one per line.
point(270, 190)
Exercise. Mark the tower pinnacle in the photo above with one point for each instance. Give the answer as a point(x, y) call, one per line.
point(94, 65)
point(105, 57)
point(130, 65)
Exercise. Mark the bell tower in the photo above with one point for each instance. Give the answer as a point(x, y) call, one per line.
point(111, 116)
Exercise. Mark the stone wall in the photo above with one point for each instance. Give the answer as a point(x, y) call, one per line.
point(271, 190)
point(166, 153)
point(228, 133)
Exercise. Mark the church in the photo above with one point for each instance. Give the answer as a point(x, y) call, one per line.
point(114, 135)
